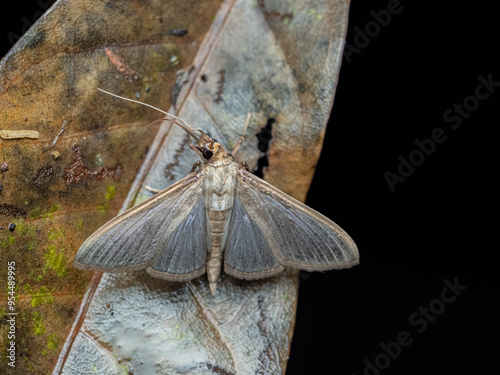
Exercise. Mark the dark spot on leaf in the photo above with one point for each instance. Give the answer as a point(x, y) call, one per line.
point(69, 312)
point(181, 78)
point(220, 86)
point(36, 40)
point(218, 370)
point(177, 32)
point(8, 210)
point(264, 316)
point(143, 155)
point(110, 5)
point(43, 175)
point(264, 138)
point(278, 15)
point(170, 167)
point(266, 356)
point(273, 14)
point(76, 171)
point(262, 163)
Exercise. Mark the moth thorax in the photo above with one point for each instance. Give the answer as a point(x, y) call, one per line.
point(219, 187)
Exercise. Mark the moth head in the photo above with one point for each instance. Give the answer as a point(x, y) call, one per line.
point(207, 146)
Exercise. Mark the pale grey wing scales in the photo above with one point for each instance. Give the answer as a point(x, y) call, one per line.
point(298, 236)
point(132, 239)
point(184, 250)
point(247, 254)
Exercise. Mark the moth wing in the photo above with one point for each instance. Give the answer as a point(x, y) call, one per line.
point(143, 236)
point(247, 254)
point(183, 254)
point(298, 236)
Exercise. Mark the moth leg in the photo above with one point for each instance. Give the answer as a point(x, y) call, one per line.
point(238, 144)
point(244, 165)
point(197, 164)
point(147, 187)
point(198, 152)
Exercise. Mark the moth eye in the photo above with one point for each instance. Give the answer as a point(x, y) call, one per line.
point(207, 154)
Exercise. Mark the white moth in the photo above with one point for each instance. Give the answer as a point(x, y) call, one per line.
point(218, 215)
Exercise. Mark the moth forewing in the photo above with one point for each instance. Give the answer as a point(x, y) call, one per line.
point(131, 240)
point(298, 236)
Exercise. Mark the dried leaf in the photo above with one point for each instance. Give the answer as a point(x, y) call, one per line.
point(51, 77)
point(278, 61)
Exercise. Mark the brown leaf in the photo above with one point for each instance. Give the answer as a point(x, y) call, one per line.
point(277, 61)
point(51, 77)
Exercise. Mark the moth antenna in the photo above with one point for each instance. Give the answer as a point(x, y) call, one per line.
point(144, 128)
point(240, 141)
point(246, 126)
point(139, 132)
point(186, 126)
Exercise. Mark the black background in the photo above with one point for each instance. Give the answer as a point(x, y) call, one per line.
point(436, 223)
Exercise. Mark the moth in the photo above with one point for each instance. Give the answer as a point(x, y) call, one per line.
point(219, 215)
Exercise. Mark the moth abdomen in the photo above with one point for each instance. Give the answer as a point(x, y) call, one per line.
point(217, 221)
